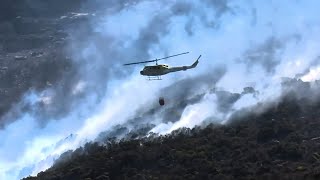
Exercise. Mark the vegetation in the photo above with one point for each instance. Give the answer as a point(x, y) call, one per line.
point(281, 143)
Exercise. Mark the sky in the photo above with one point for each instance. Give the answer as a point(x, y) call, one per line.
point(252, 43)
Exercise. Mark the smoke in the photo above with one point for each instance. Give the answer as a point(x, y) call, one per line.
point(267, 54)
point(99, 95)
point(220, 6)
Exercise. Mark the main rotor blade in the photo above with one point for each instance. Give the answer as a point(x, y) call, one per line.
point(141, 62)
point(154, 60)
point(173, 55)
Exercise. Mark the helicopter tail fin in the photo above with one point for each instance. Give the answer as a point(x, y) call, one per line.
point(196, 62)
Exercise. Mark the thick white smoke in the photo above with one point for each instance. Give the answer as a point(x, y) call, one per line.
point(257, 41)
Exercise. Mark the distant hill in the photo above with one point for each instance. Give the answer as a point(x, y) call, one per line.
point(10, 9)
point(33, 36)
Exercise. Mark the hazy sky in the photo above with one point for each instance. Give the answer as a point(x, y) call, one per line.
point(242, 43)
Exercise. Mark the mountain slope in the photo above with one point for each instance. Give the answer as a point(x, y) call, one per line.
point(282, 142)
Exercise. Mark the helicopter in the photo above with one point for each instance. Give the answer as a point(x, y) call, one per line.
point(156, 71)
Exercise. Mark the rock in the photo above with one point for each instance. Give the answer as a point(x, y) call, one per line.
point(301, 168)
point(36, 54)
point(102, 177)
point(20, 58)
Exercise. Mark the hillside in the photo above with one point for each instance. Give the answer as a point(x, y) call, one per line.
point(33, 48)
point(280, 143)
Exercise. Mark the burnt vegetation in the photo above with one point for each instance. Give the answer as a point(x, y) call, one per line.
point(283, 142)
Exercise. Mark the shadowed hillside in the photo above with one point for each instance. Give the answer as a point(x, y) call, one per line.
point(33, 47)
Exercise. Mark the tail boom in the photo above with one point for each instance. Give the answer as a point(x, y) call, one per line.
point(184, 68)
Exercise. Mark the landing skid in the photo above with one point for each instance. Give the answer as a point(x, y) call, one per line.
point(152, 78)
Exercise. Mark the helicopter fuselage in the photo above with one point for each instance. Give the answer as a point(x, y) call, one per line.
point(162, 69)
point(156, 70)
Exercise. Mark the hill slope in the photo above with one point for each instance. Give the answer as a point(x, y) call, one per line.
point(282, 142)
